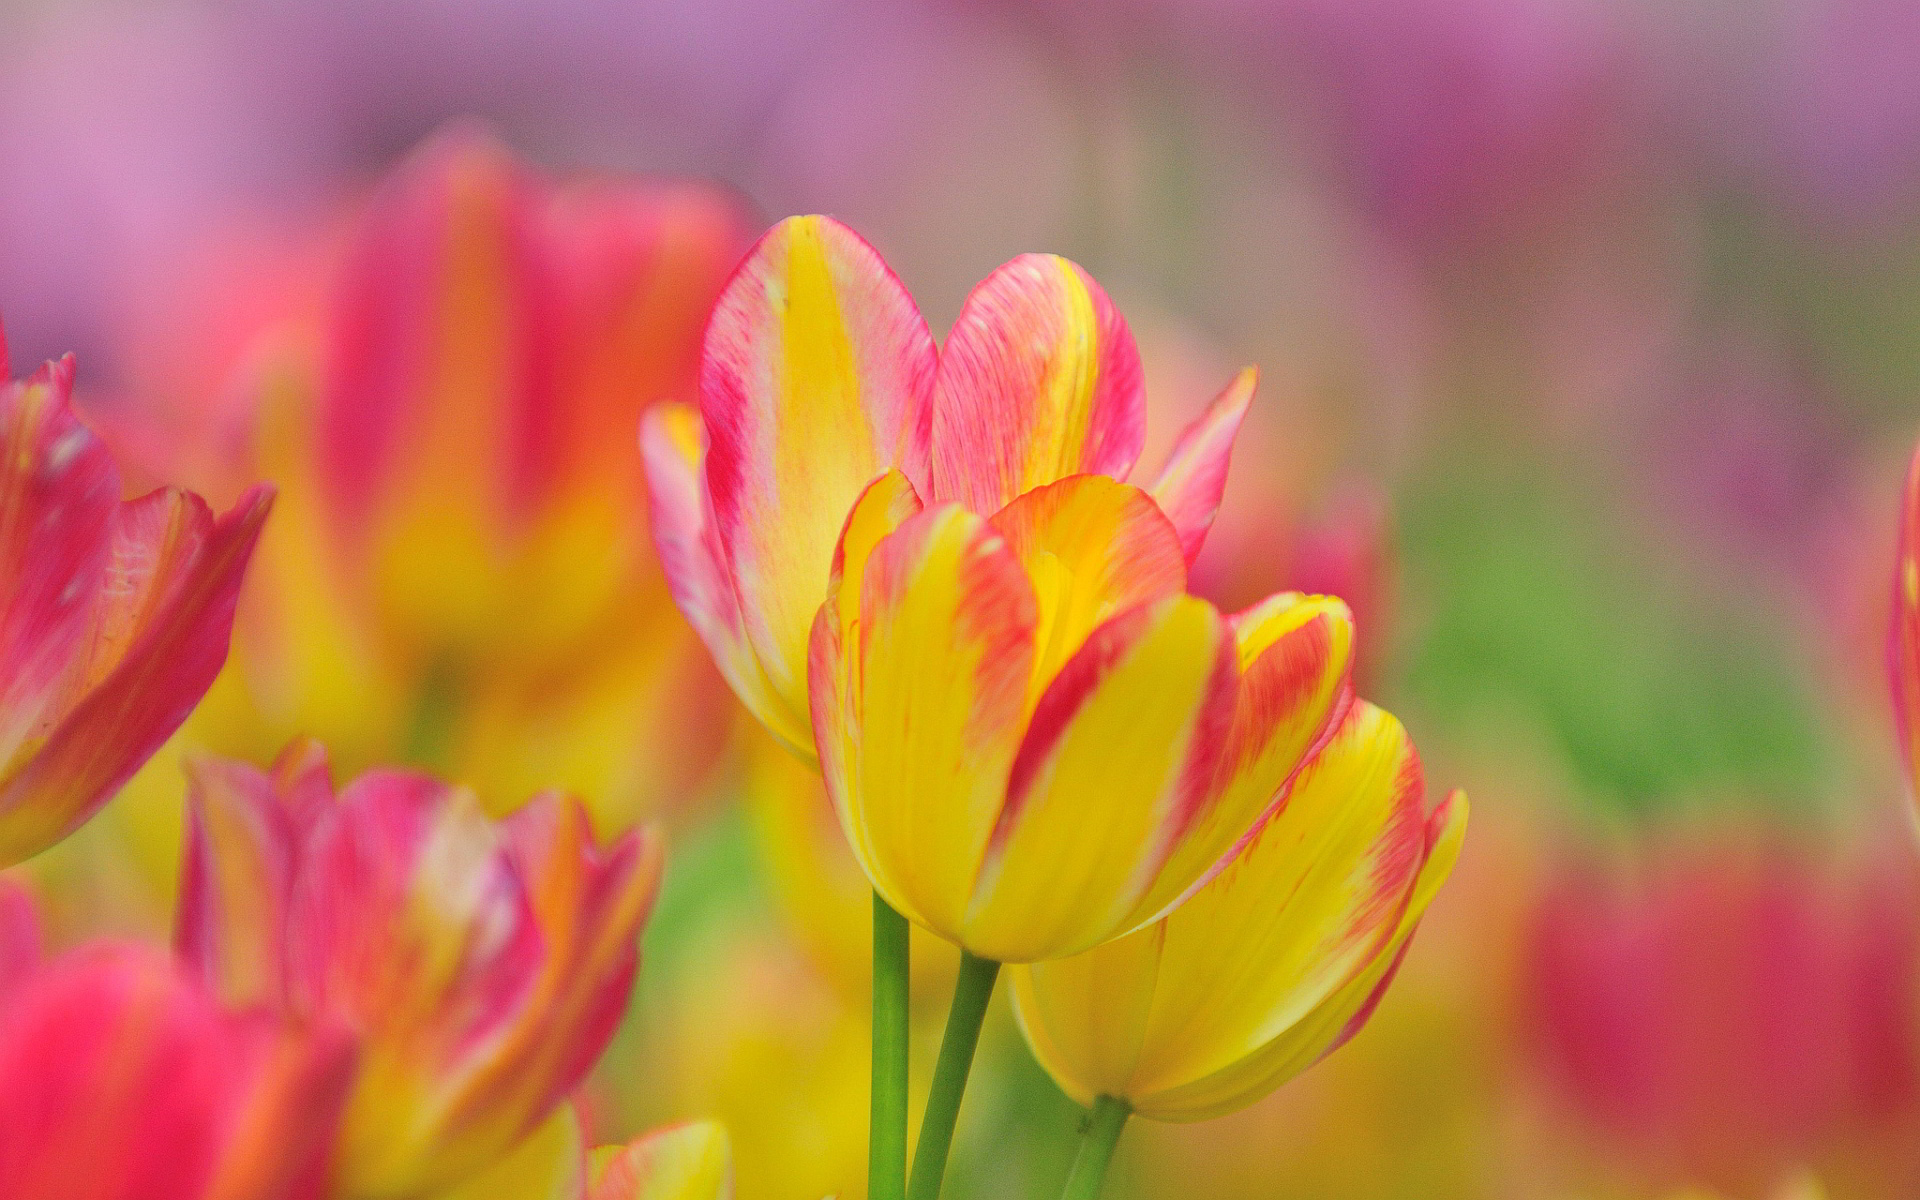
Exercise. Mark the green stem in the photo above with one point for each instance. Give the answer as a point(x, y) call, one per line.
point(1097, 1139)
point(970, 996)
point(887, 1133)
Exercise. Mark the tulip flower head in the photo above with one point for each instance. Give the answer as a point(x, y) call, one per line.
point(926, 567)
point(114, 615)
point(461, 577)
point(120, 1079)
point(693, 1161)
point(1273, 964)
point(482, 964)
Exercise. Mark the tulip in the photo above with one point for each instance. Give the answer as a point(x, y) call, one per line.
point(1273, 964)
point(462, 577)
point(122, 1080)
point(819, 375)
point(482, 964)
point(114, 615)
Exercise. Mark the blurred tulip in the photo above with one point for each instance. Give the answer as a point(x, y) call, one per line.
point(693, 1161)
point(464, 579)
point(114, 615)
point(1275, 962)
point(1903, 634)
point(1730, 1017)
point(484, 965)
point(121, 1080)
point(820, 375)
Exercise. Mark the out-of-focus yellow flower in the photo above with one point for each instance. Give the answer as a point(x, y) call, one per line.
point(693, 1161)
point(822, 893)
point(1274, 963)
point(482, 965)
point(464, 578)
point(114, 615)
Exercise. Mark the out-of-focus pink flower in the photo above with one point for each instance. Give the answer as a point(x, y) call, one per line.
point(483, 964)
point(1727, 1017)
point(114, 615)
point(122, 1080)
point(461, 576)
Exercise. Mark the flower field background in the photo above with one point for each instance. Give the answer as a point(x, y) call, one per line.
point(583, 596)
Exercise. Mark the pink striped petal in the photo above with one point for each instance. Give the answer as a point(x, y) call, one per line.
point(1295, 685)
point(673, 444)
point(158, 636)
point(246, 831)
point(1120, 746)
point(816, 378)
point(1093, 547)
point(1195, 476)
point(59, 493)
point(919, 704)
point(1040, 379)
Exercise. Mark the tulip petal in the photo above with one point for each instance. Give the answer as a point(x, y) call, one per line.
point(20, 938)
point(1119, 746)
point(408, 923)
point(1040, 379)
point(1195, 476)
point(919, 708)
point(160, 633)
point(1295, 685)
point(816, 377)
point(1312, 899)
point(244, 833)
point(673, 442)
point(1335, 1019)
point(58, 496)
point(693, 1161)
point(1093, 547)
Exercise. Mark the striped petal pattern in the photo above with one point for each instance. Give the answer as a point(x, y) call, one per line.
point(1040, 379)
point(819, 376)
point(114, 616)
point(1272, 964)
point(482, 965)
point(1035, 739)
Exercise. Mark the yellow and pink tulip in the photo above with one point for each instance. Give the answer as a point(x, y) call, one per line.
point(463, 579)
point(114, 614)
point(121, 1079)
point(481, 965)
point(1274, 963)
point(924, 566)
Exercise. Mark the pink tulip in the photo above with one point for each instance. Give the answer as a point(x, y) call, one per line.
point(483, 964)
point(114, 615)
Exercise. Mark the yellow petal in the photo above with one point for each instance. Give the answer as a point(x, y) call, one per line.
point(548, 1164)
point(919, 706)
point(1106, 768)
